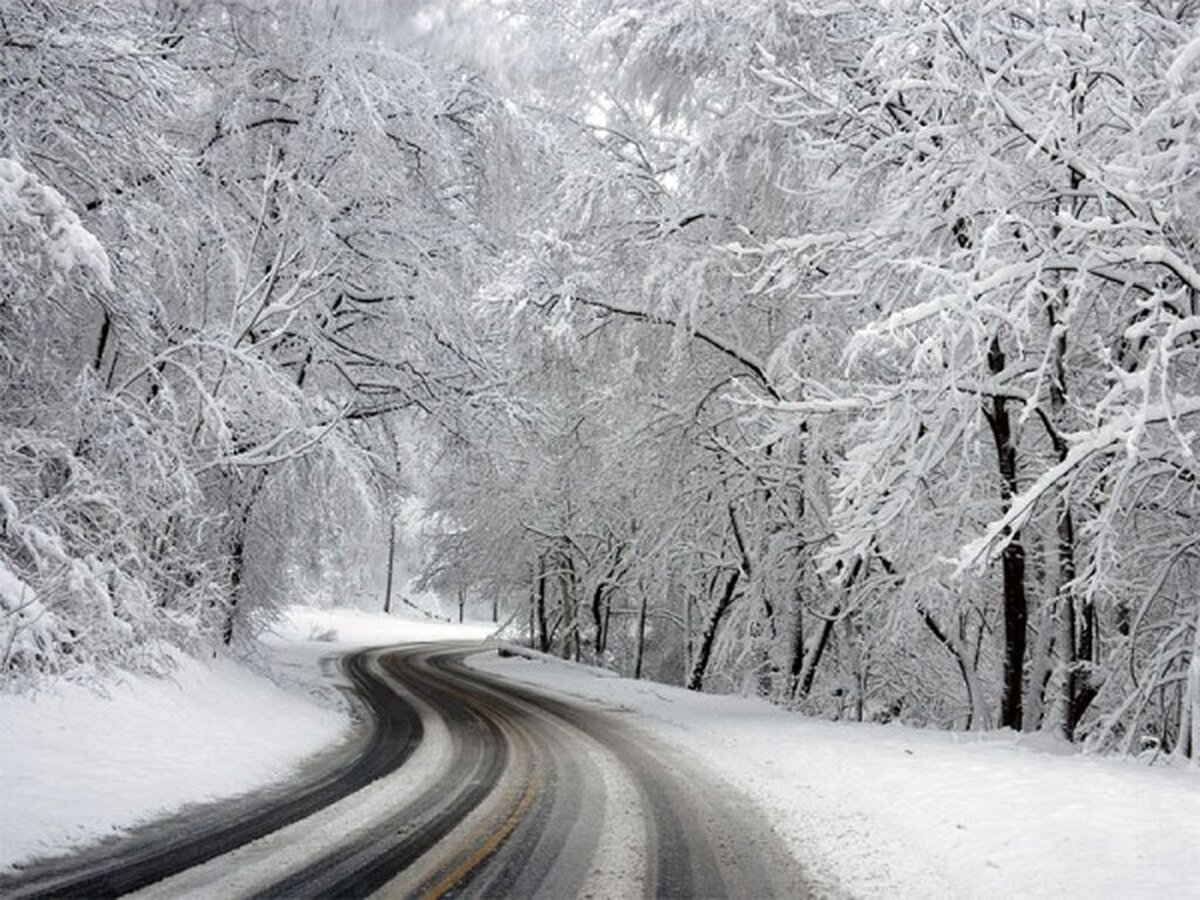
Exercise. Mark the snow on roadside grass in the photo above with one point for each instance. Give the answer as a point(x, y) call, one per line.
point(76, 767)
point(355, 628)
point(886, 810)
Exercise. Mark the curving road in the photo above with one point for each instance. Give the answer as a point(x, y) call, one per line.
point(466, 785)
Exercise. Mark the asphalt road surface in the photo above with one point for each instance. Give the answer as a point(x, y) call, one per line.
point(465, 785)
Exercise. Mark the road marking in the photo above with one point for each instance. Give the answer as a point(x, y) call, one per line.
point(488, 847)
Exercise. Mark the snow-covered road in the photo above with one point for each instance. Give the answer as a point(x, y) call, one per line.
point(476, 785)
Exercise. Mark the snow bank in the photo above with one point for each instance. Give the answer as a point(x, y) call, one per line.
point(898, 812)
point(78, 766)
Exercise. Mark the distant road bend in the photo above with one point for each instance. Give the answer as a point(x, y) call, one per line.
point(466, 785)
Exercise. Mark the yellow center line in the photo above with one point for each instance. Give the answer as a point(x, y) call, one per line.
point(524, 758)
point(488, 847)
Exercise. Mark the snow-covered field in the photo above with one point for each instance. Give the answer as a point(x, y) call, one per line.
point(892, 811)
point(76, 766)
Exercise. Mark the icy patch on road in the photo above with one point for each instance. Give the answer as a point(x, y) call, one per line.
point(877, 810)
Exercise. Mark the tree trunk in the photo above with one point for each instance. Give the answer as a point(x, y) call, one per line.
point(858, 663)
point(639, 651)
point(804, 676)
point(1078, 613)
point(977, 718)
point(532, 615)
point(796, 663)
point(687, 635)
point(597, 607)
point(1081, 690)
point(813, 659)
point(387, 594)
point(695, 680)
point(566, 584)
point(1012, 559)
point(539, 606)
point(102, 340)
point(237, 558)
point(1041, 667)
point(708, 636)
point(237, 553)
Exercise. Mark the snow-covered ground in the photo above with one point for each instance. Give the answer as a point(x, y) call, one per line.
point(875, 810)
point(76, 766)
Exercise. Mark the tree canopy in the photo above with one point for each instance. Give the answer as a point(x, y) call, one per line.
point(848, 354)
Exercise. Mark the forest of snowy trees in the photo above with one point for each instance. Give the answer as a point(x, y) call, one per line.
point(847, 354)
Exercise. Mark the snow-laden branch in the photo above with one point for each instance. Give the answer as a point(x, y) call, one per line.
point(1123, 429)
point(744, 358)
point(1168, 258)
point(26, 201)
point(1188, 57)
point(267, 454)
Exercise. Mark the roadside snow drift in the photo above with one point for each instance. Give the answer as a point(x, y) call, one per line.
point(78, 766)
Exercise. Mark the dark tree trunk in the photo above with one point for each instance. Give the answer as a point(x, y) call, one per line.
point(597, 607)
point(1012, 559)
point(695, 680)
point(237, 553)
point(956, 649)
point(237, 558)
point(1080, 613)
point(796, 663)
point(813, 658)
point(539, 607)
point(712, 625)
point(102, 341)
point(803, 677)
point(387, 594)
point(566, 587)
point(640, 650)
